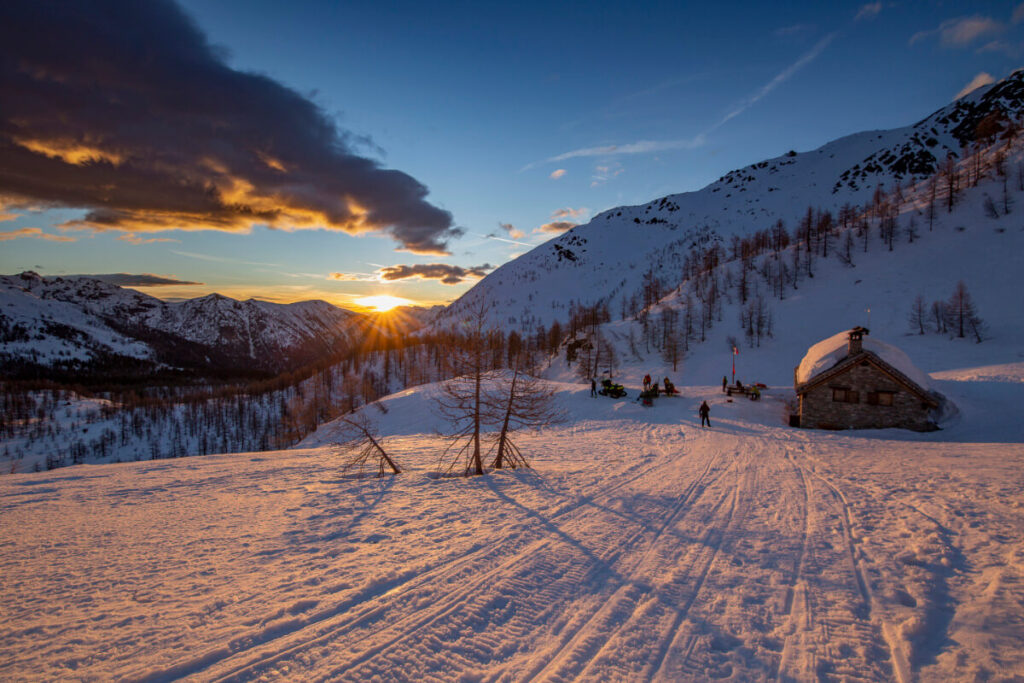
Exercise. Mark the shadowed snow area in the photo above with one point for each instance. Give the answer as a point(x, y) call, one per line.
point(641, 547)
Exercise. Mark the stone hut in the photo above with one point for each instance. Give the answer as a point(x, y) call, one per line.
point(849, 382)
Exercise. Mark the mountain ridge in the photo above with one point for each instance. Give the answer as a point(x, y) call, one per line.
point(603, 261)
point(80, 322)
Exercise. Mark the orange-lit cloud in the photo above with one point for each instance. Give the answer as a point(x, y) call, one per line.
point(34, 233)
point(557, 173)
point(512, 231)
point(569, 212)
point(978, 81)
point(132, 238)
point(559, 224)
point(556, 227)
point(355, 277)
point(69, 151)
point(228, 151)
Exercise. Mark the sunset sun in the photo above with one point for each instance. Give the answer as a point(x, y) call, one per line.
point(382, 303)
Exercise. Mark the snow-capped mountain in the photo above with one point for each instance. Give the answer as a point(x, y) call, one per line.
point(81, 322)
point(605, 260)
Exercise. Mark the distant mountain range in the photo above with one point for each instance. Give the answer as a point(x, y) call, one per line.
point(82, 324)
point(605, 260)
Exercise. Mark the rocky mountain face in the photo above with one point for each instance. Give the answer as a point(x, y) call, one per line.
point(605, 261)
point(80, 323)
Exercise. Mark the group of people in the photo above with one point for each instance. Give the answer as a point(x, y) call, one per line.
point(652, 386)
point(704, 411)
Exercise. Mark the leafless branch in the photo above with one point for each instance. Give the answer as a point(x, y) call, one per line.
point(361, 444)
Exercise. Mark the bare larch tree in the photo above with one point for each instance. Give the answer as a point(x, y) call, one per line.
point(461, 400)
point(361, 441)
point(520, 402)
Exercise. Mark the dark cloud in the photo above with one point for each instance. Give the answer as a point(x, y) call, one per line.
point(447, 274)
point(509, 229)
point(124, 109)
point(137, 280)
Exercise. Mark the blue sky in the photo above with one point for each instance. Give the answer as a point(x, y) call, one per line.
point(530, 115)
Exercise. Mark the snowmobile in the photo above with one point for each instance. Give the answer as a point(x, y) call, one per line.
point(609, 388)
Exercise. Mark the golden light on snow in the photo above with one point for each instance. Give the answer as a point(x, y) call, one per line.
point(381, 303)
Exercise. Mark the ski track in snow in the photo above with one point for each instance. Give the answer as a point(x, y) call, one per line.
point(637, 550)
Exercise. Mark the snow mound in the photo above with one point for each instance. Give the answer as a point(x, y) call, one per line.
point(413, 412)
point(826, 353)
point(1004, 372)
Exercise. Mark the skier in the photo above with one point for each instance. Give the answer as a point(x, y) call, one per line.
point(647, 382)
point(725, 383)
point(593, 388)
point(704, 411)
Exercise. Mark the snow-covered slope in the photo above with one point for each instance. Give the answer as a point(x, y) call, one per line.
point(605, 260)
point(642, 547)
point(50, 331)
point(53, 320)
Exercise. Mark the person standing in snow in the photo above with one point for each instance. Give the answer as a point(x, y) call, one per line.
point(647, 382)
point(704, 411)
point(593, 388)
point(725, 383)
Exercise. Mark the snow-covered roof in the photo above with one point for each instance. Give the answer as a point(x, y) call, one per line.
point(826, 353)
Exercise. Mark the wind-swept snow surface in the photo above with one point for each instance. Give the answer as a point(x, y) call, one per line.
point(641, 547)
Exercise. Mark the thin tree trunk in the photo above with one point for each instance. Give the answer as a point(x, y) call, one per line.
point(499, 459)
point(476, 425)
point(387, 458)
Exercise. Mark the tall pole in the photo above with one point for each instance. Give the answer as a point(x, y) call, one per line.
point(735, 352)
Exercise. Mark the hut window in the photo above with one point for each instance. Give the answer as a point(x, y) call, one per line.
point(845, 396)
point(880, 398)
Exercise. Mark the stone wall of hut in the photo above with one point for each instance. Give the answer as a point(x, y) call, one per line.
point(819, 410)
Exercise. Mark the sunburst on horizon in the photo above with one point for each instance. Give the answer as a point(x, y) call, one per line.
point(381, 303)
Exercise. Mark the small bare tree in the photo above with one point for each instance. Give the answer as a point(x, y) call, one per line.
point(963, 316)
point(521, 402)
point(461, 402)
point(918, 314)
point(361, 441)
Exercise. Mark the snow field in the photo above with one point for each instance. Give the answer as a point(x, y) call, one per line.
point(641, 547)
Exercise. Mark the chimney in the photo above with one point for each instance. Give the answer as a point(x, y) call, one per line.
point(856, 336)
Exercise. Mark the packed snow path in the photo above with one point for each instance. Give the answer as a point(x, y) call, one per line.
point(642, 547)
